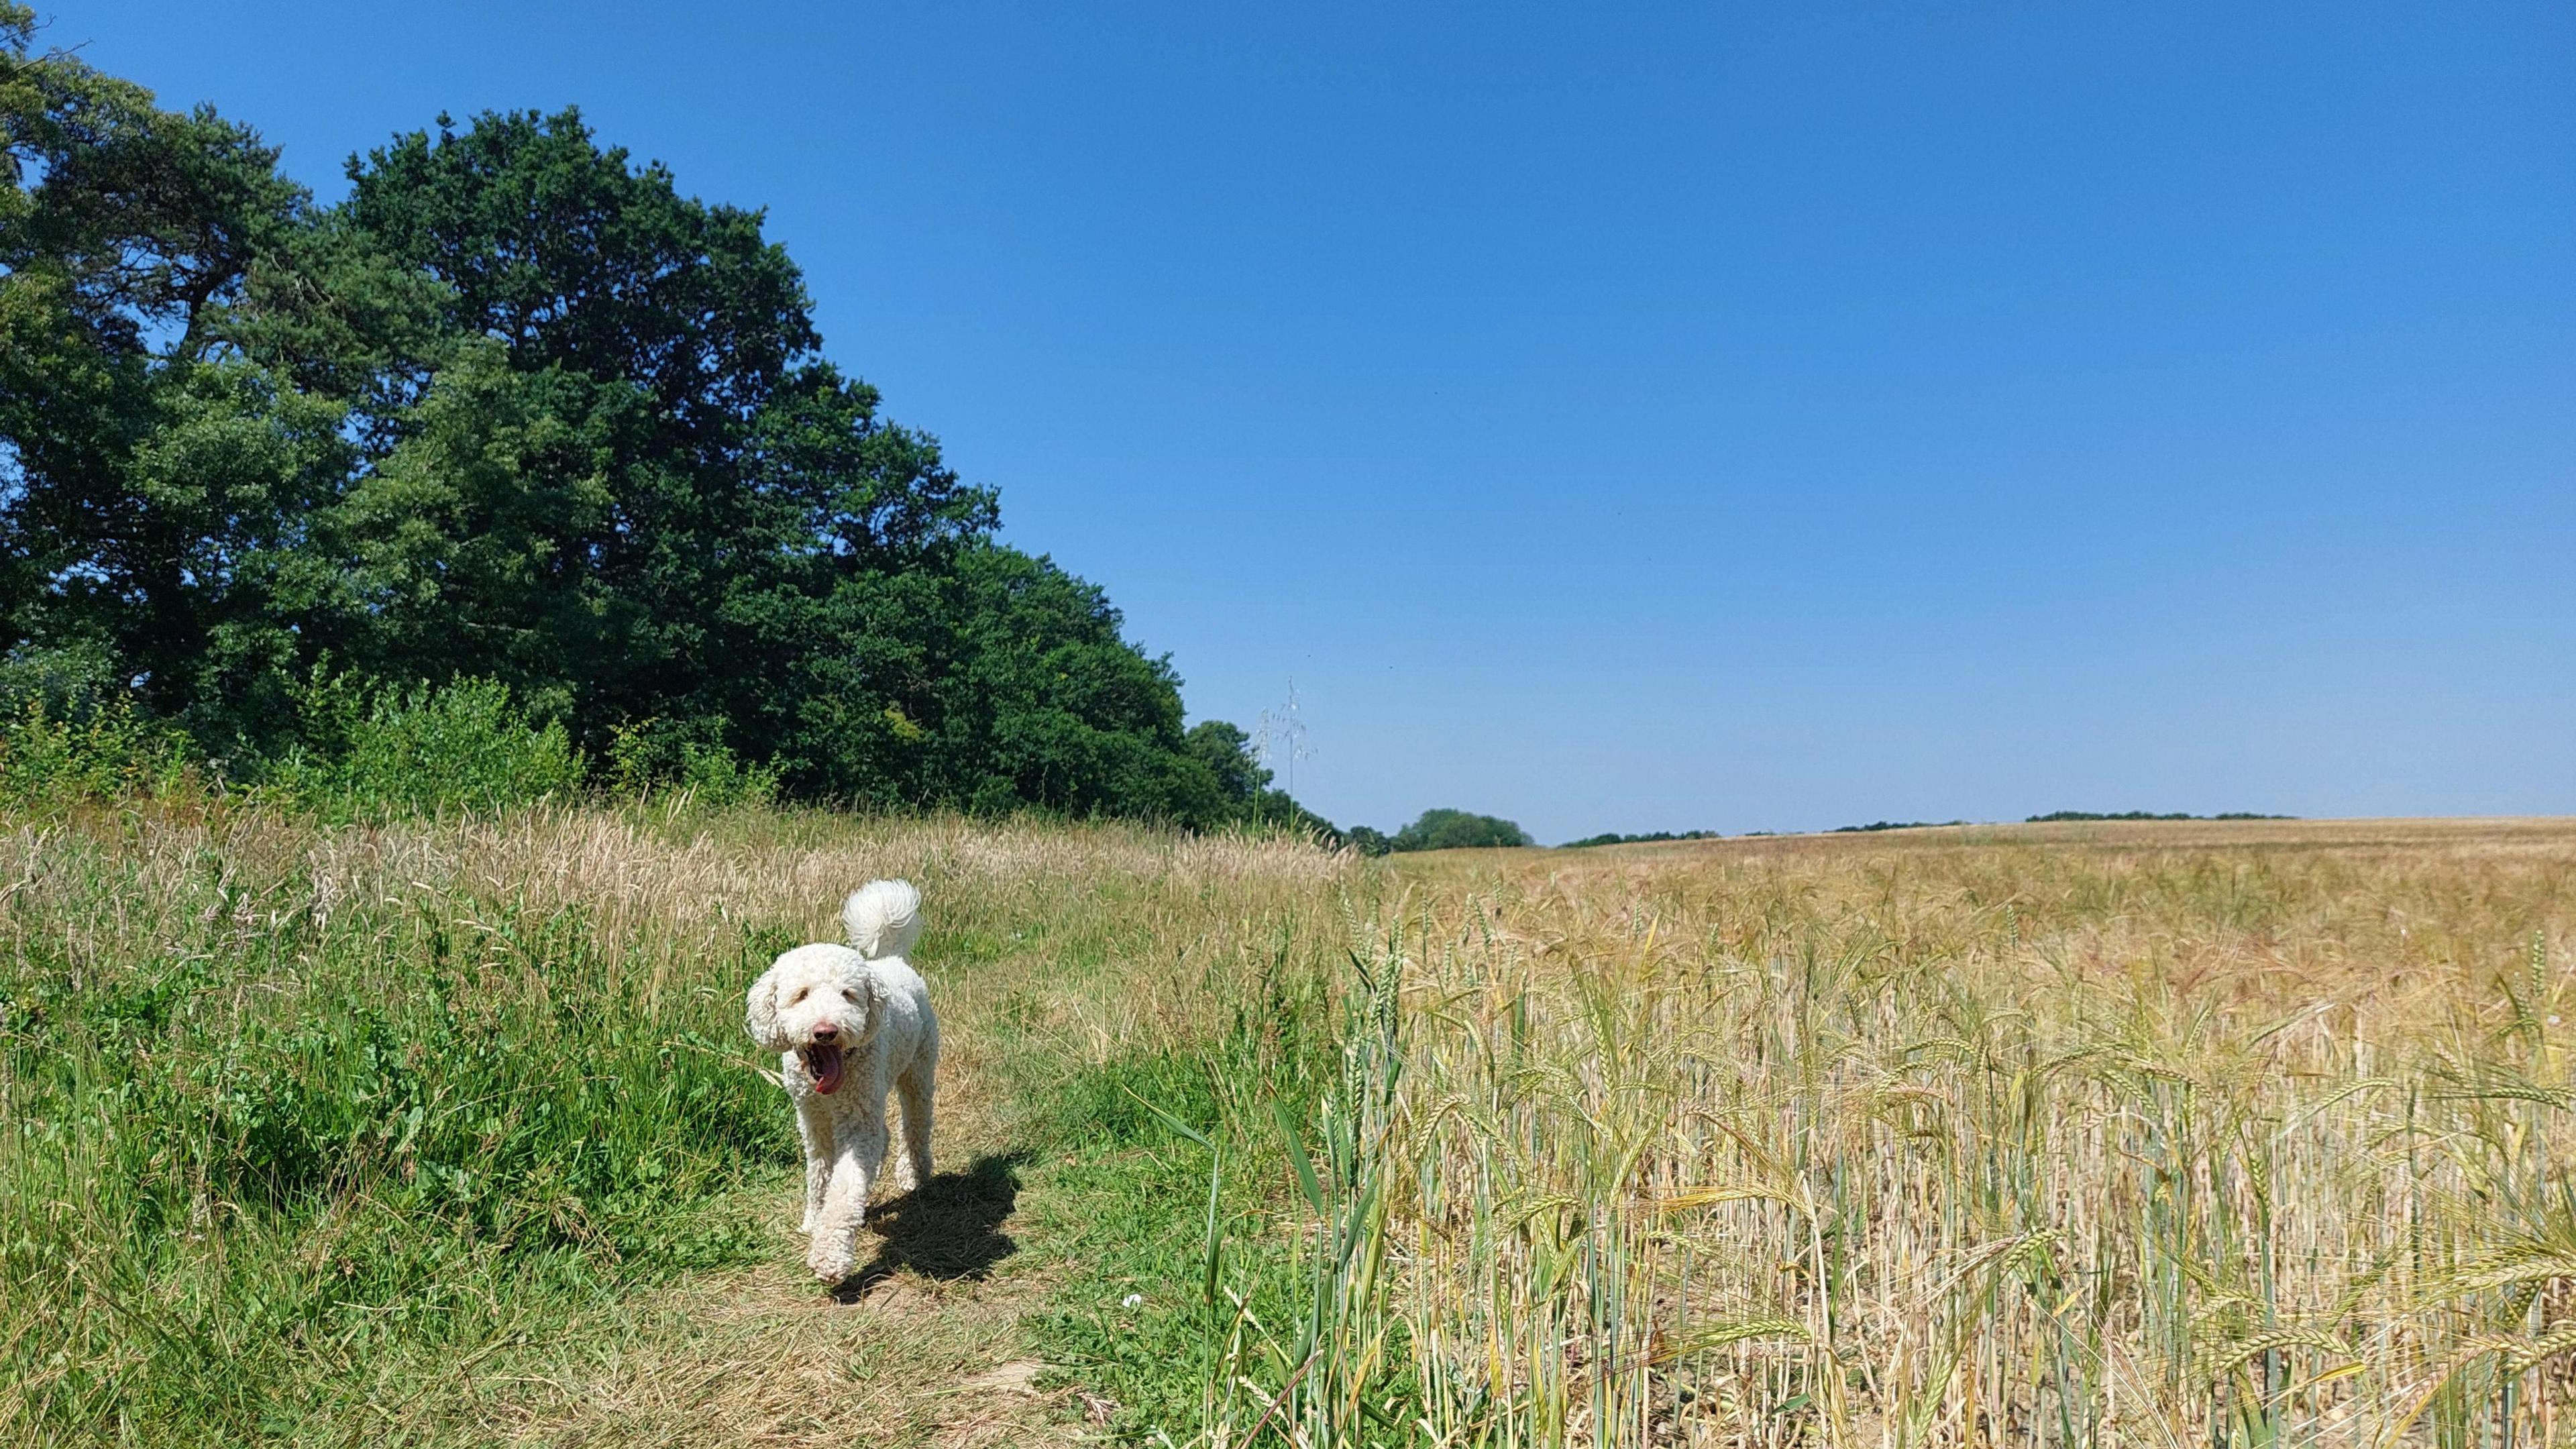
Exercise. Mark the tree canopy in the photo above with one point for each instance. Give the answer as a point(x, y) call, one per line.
point(1457, 830)
point(516, 410)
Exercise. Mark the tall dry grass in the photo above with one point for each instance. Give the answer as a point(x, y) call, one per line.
point(2254, 1135)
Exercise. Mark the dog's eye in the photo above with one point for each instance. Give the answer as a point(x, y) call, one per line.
point(800, 995)
point(848, 994)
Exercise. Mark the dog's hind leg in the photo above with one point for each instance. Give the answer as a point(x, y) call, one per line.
point(914, 1088)
point(815, 1126)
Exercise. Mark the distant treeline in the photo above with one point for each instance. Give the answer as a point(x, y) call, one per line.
point(1455, 829)
point(1614, 838)
point(519, 431)
point(2144, 815)
point(2053, 815)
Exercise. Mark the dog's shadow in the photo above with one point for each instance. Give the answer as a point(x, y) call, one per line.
point(948, 1229)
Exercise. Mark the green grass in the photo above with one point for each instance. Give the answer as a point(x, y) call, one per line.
point(251, 1136)
point(285, 1104)
point(1159, 1149)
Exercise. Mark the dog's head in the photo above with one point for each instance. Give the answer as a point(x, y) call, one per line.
point(819, 1002)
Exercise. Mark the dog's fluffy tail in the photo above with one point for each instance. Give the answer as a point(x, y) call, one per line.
point(883, 918)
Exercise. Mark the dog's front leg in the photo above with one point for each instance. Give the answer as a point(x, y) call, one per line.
point(814, 1124)
point(860, 1151)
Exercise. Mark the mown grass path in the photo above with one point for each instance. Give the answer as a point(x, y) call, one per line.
point(925, 1345)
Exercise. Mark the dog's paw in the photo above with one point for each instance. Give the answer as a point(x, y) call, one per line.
point(904, 1178)
point(830, 1264)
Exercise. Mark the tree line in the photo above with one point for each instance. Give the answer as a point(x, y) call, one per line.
point(517, 414)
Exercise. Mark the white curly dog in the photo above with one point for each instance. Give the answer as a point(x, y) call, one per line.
point(852, 1023)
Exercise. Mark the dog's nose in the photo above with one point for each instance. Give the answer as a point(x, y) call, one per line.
point(825, 1031)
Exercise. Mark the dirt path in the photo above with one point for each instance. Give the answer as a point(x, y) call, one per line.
point(922, 1347)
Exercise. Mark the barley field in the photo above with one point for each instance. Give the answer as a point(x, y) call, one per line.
point(2241, 1134)
point(2150, 1134)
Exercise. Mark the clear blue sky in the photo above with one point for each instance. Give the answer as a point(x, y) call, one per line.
point(1731, 416)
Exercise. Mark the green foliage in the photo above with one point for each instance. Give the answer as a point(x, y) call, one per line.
point(1877, 825)
point(154, 481)
point(1243, 792)
point(68, 735)
point(1167, 1171)
point(643, 757)
point(1339, 1367)
point(380, 751)
point(1227, 752)
point(1457, 830)
point(1615, 838)
point(519, 411)
point(49, 760)
point(1368, 840)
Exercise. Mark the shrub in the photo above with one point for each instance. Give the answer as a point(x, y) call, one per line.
point(48, 759)
point(374, 751)
point(647, 755)
point(66, 733)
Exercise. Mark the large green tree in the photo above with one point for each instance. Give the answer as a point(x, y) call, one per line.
point(664, 458)
point(156, 485)
point(517, 409)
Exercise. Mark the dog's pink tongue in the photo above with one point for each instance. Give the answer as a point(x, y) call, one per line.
point(825, 1065)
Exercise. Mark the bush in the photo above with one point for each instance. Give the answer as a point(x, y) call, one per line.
point(48, 759)
point(647, 755)
point(372, 751)
point(66, 733)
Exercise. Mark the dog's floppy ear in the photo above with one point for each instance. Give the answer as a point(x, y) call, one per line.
point(760, 1011)
point(872, 1001)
